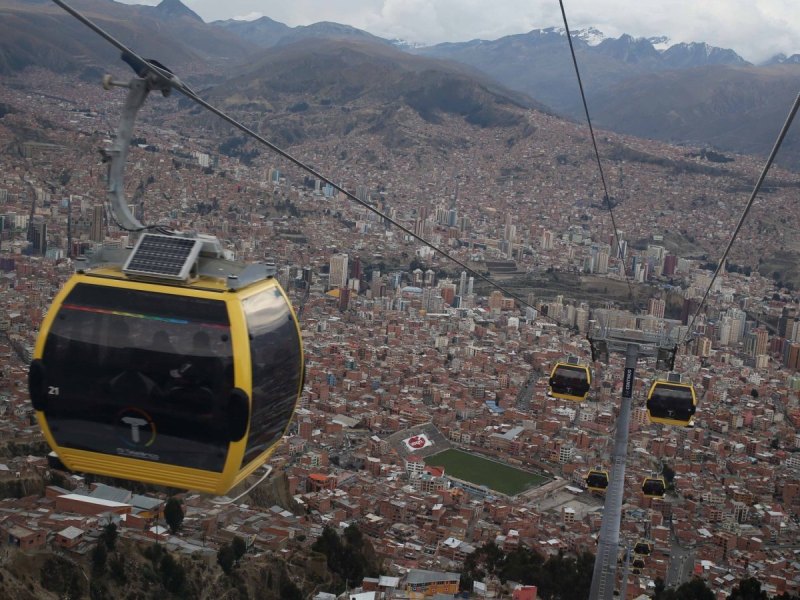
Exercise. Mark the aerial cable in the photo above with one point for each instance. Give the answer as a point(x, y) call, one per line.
point(770, 159)
point(606, 197)
point(165, 77)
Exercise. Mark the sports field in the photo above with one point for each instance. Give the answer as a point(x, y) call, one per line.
point(481, 471)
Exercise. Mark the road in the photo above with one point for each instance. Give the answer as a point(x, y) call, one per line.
point(681, 564)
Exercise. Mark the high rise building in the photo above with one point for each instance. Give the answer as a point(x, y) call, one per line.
point(547, 240)
point(725, 331)
point(656, 307)
point(582, 319)
point(738, 318)
point(670, 264)
point(98, 228)
point(448, 292)
point(787, 321)
point(462, 283)
point(794, 334)
point(602, 261)
point(430, 277)
point(791, 356)
point(452, 217)
point(762, 340)
point(496, 301)
point(37, 233)
point(338, 271)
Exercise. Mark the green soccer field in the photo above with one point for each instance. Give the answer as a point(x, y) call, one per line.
point(481, 471)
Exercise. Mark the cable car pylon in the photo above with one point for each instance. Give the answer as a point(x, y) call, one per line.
point(633, 344)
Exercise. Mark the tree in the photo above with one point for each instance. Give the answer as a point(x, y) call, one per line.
point(116, 568)
point(98, 590)
point(346, 558)
point(353, 536)
point(173, 514)
point(63, 577)
point(226, 558)
point(109, 536)
point(748, 589)
point(99, 558)
point(668, 473)
point(239, 547)
point(289, 590)
point(173, 575)
point(695, 589)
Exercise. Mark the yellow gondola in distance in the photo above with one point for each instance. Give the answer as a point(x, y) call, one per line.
point(642, 548)
point(654, 486)
point(570, 381)
point(188, 381)
point(638, 562)
point(597, 480)
point(671, 403)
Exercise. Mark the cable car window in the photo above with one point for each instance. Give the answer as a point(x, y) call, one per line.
point(674, 401)
point(569, 376)
point(140, 374)
point(670, 395)
point(276, 357)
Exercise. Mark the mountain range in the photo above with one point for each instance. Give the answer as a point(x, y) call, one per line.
point(679, 93)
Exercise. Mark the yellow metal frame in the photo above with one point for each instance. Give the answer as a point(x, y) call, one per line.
point(663, 483)
point(247, 469)
point(160, 473)
point(670, 421)
point(567, 396)
point(597, 489)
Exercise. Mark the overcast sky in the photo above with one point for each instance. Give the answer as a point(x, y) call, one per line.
point(755, 29)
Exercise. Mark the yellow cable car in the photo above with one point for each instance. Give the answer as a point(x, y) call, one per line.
point(642, 548)
point(638, 562)
point(654, 486)
point(179, 372)
point(671, 402)
point(597, 480)
point(570, 381)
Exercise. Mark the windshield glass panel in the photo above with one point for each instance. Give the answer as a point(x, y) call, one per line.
point(140, 374)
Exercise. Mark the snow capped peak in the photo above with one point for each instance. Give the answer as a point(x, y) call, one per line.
point(660, 42)
point(591, 35)
point(406, 44)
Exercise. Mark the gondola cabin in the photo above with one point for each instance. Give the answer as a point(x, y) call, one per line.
point(638, 562)
point(654, 487)
point(671, 403)
point(570, 381)
point(597, 480)
point(642, 548)
point(175, 369)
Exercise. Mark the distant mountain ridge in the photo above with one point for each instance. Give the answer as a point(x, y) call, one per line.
point(687, 92)
point(639, 86)
point(337, 86)
point(538, 62)
point(174, 9)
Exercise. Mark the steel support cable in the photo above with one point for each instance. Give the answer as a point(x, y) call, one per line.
point(189, 93)
point(596, 151)
point(748, 206)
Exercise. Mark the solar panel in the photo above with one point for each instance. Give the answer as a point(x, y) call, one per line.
point(163, 256)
